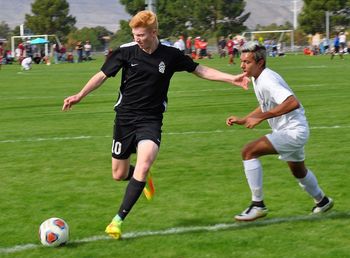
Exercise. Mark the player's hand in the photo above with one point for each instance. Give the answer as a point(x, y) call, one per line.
point(70, 101)
point(241, 80)
point(251, 122)
point(234, 120)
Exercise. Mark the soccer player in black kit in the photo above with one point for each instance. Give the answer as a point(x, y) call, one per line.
point(147, 67)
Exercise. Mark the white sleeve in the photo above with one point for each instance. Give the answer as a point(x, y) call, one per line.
point(279, 92)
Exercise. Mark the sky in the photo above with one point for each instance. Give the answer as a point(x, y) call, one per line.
point(107, 13)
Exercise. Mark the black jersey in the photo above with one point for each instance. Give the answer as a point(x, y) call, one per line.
point(145, 77)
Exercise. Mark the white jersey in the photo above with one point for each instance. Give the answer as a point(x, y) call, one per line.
point(342, 38)
point(26, 63)
point(271, 90)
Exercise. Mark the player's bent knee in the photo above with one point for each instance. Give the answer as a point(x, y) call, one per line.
point(118, 175)
point(246, 153)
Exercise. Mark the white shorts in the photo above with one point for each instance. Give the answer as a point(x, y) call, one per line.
point(290, 143)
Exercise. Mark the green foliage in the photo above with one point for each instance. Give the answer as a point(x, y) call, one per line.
point(313, 16)
point(197, 17)
point(5, 30)
point(273, 26)
point(173, 17)
point(94, 35)
point(133, 6)
point(122, 36)
point(50, 17)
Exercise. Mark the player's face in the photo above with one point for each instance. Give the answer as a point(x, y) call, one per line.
point(144, 37)
point(250, 66)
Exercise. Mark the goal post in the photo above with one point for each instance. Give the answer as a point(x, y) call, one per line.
point(280, 32)
point(25, 37)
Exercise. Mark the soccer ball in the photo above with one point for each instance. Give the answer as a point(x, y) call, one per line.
point(54, 232)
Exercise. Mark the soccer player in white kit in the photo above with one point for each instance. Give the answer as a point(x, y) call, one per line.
point(290, 132)
point(26, 63)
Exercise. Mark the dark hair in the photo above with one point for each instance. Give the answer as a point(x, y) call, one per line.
point(257, 49)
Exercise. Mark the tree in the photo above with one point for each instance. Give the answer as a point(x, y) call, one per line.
point(5, 30)
point(122, 36)
point(94, 35)
point(133, 6)
point(312, 18)
point(202, 17)
point(50, 17)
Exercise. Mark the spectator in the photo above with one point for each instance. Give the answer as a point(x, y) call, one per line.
point(20, 52)
point(336, 48)
point(221, 47)
point(79, 49)
point(180, 44)
point(189, 46)
point(56, 52)
point(1, 53)
point(229, 46)
point(203, 45)
point(87, 50)
point(197, 48)
point(63, 53)
point(342, 42)
point(70, 57)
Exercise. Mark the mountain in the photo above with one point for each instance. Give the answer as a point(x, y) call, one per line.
point(265, 12)
point(88, 13)
point(107, 13)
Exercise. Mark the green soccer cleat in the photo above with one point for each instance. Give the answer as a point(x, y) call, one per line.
point(114, 229)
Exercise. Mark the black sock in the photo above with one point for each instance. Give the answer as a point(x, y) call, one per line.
point(132, 194)
point(258, 204)
point(131, 173)
point(323, 202)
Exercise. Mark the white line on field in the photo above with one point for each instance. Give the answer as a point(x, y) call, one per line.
point(84, 137)
point(182, 230)
point(170, 92)
point(107, 94)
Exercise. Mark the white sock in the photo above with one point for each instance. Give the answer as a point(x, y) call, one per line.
point(310, 185)
point(254, 175)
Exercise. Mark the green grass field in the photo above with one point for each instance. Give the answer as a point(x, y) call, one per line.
point(57, 164)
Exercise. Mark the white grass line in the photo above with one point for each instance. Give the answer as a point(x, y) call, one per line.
point(86, 137)
point(170, 92)
point(49, 139)
point(191, 229)
point(316, 66)
point(105, 94)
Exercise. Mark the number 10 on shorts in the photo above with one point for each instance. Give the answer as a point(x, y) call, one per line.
point(116, 147)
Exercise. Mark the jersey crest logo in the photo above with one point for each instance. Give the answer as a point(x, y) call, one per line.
point(162, 67)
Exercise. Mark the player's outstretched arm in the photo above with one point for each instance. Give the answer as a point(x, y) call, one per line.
point(248, 121)
point(257, 116)
point(95, 82)
point(240, 80)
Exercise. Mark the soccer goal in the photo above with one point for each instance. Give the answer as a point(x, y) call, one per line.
point(28, 37)
point(279, 33)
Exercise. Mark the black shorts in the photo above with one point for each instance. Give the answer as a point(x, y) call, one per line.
point(129, 132)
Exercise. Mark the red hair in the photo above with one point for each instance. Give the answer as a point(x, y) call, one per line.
point(144, 19)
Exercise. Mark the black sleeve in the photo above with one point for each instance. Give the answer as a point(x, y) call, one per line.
point(113, 63)
point(184, 63)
